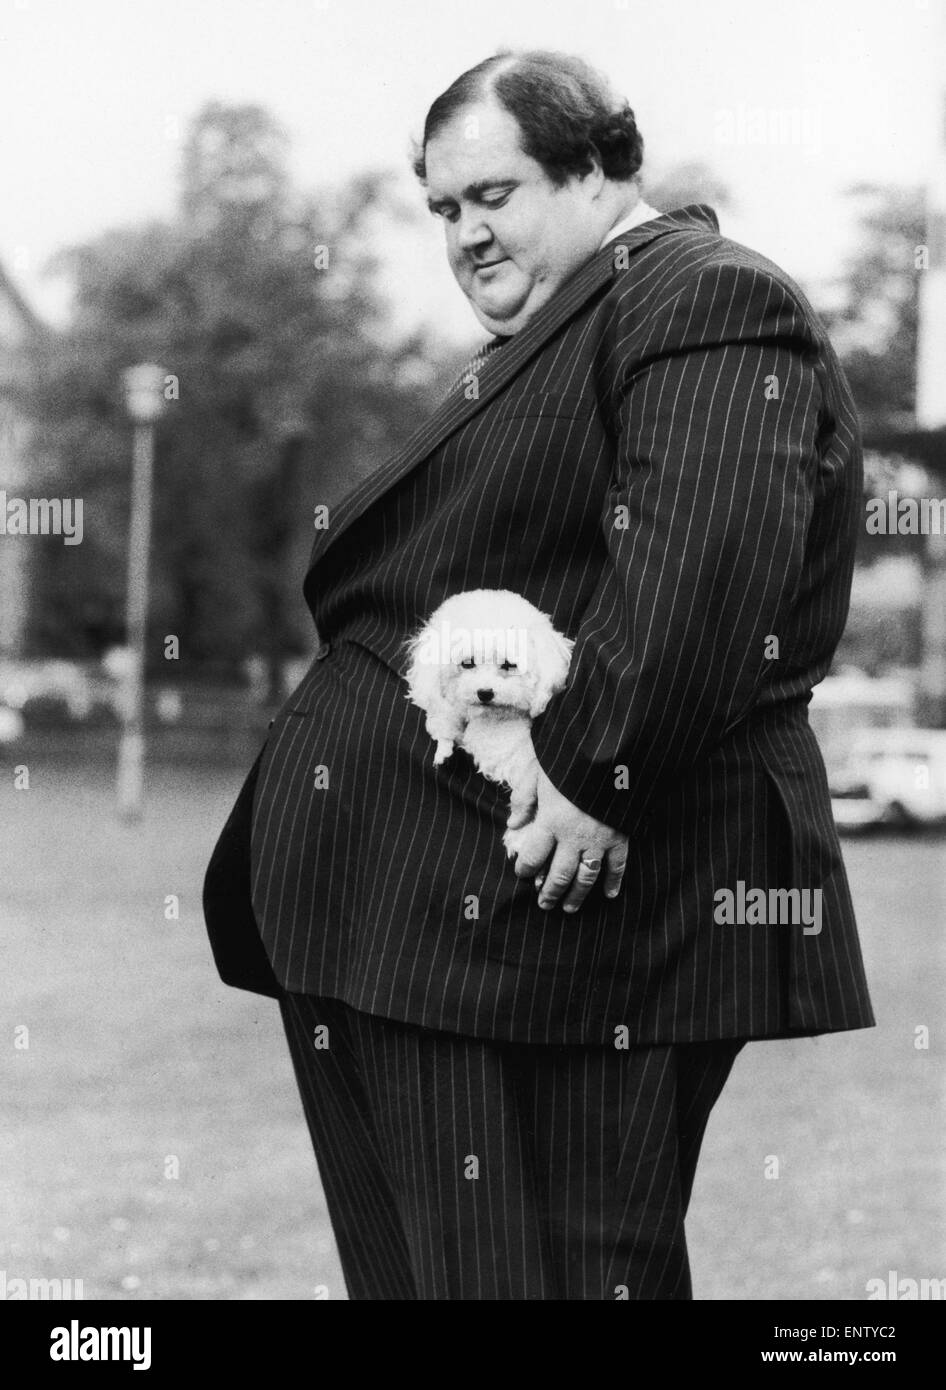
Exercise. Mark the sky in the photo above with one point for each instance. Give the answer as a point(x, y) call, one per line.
point(790, 101)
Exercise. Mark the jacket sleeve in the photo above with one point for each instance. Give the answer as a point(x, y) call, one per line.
point(704, 529)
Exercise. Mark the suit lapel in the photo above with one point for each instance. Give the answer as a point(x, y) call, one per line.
point(498, 370)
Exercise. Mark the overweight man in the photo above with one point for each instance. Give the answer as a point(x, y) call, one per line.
point(507, 1069)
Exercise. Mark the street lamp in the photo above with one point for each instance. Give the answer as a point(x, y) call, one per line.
point(144, 400)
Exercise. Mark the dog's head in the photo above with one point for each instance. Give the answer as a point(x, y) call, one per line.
point(487, 648)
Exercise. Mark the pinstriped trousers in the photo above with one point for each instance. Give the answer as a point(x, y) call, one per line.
point(462, 1168)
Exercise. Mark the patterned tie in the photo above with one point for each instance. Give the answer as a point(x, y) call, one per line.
point(475, 364)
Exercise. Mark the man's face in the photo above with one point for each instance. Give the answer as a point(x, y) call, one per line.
point(513, 237)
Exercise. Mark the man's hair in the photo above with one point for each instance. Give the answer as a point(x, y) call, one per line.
point(565, 111)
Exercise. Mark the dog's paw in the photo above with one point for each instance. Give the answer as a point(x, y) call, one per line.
point(443, 751)
point(512, 841)
point(520, 813)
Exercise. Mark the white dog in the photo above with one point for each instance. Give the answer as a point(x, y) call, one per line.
point(482, 666)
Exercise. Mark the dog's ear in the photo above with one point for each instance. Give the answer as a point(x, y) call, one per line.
point(428, 680)
point(425, 672)
point(552, 653)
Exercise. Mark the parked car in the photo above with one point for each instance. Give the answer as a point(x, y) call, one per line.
point(65, 683)
point(11, 724)
point(891, 777)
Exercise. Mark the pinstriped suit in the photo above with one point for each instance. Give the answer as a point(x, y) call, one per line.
point(666, 460)
point(585, 1157)
point(648, 388)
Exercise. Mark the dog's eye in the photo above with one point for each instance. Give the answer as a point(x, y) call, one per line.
point(509, 666)
point(468, 663)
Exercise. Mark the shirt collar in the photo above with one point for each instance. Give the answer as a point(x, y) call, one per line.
point(642, 212)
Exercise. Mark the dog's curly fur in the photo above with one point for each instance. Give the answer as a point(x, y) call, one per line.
point(482, 667)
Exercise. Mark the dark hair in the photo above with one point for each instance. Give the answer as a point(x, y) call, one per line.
point(564, 109)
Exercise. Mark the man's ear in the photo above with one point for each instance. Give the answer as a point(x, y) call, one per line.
point(552, 653)
point(593, 178)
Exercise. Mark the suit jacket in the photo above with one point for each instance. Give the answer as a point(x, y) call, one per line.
point(666, 460)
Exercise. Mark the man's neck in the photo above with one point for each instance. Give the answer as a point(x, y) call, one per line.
point(630, 212)
point(625, 206)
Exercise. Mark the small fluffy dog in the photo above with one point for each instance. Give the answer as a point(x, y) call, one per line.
point(482, 666)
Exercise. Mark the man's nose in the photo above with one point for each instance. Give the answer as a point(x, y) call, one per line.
point(484, 696)
point(472, 232)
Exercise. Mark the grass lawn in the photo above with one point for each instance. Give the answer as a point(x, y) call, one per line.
point(141, 1065)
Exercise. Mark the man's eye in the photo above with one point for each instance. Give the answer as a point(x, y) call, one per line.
point(468, 663)
point(497, 201)
point(508, 666)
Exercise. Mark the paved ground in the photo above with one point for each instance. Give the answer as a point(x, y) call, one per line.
point(141, 1065)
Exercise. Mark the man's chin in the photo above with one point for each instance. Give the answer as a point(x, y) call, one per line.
point(500, 318)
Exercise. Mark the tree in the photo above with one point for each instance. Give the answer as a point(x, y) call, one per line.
point(874, 328)
point(689, 182)
point(262, 307)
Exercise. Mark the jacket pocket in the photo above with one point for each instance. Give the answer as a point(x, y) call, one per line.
point(794, 766)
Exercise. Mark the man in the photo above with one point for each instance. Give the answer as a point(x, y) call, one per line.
point(507, 1071)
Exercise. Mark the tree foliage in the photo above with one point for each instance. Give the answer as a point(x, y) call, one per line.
point(691, 181)
point(285, 386)
point(874, 327)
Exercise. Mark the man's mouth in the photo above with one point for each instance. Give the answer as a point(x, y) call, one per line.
point(488, 265)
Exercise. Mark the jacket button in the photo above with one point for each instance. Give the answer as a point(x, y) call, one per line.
point(271, 723)
point(323, 651)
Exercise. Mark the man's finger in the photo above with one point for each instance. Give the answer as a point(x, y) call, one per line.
point(537, 844)
point(560, 874)
point(586, 876)
point(614, 865)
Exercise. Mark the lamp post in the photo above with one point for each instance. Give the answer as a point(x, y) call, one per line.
point(144, 400)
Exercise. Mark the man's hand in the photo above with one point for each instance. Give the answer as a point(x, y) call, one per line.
point(561, 830)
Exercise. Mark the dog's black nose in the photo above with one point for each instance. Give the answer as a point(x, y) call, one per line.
point(484, 696)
